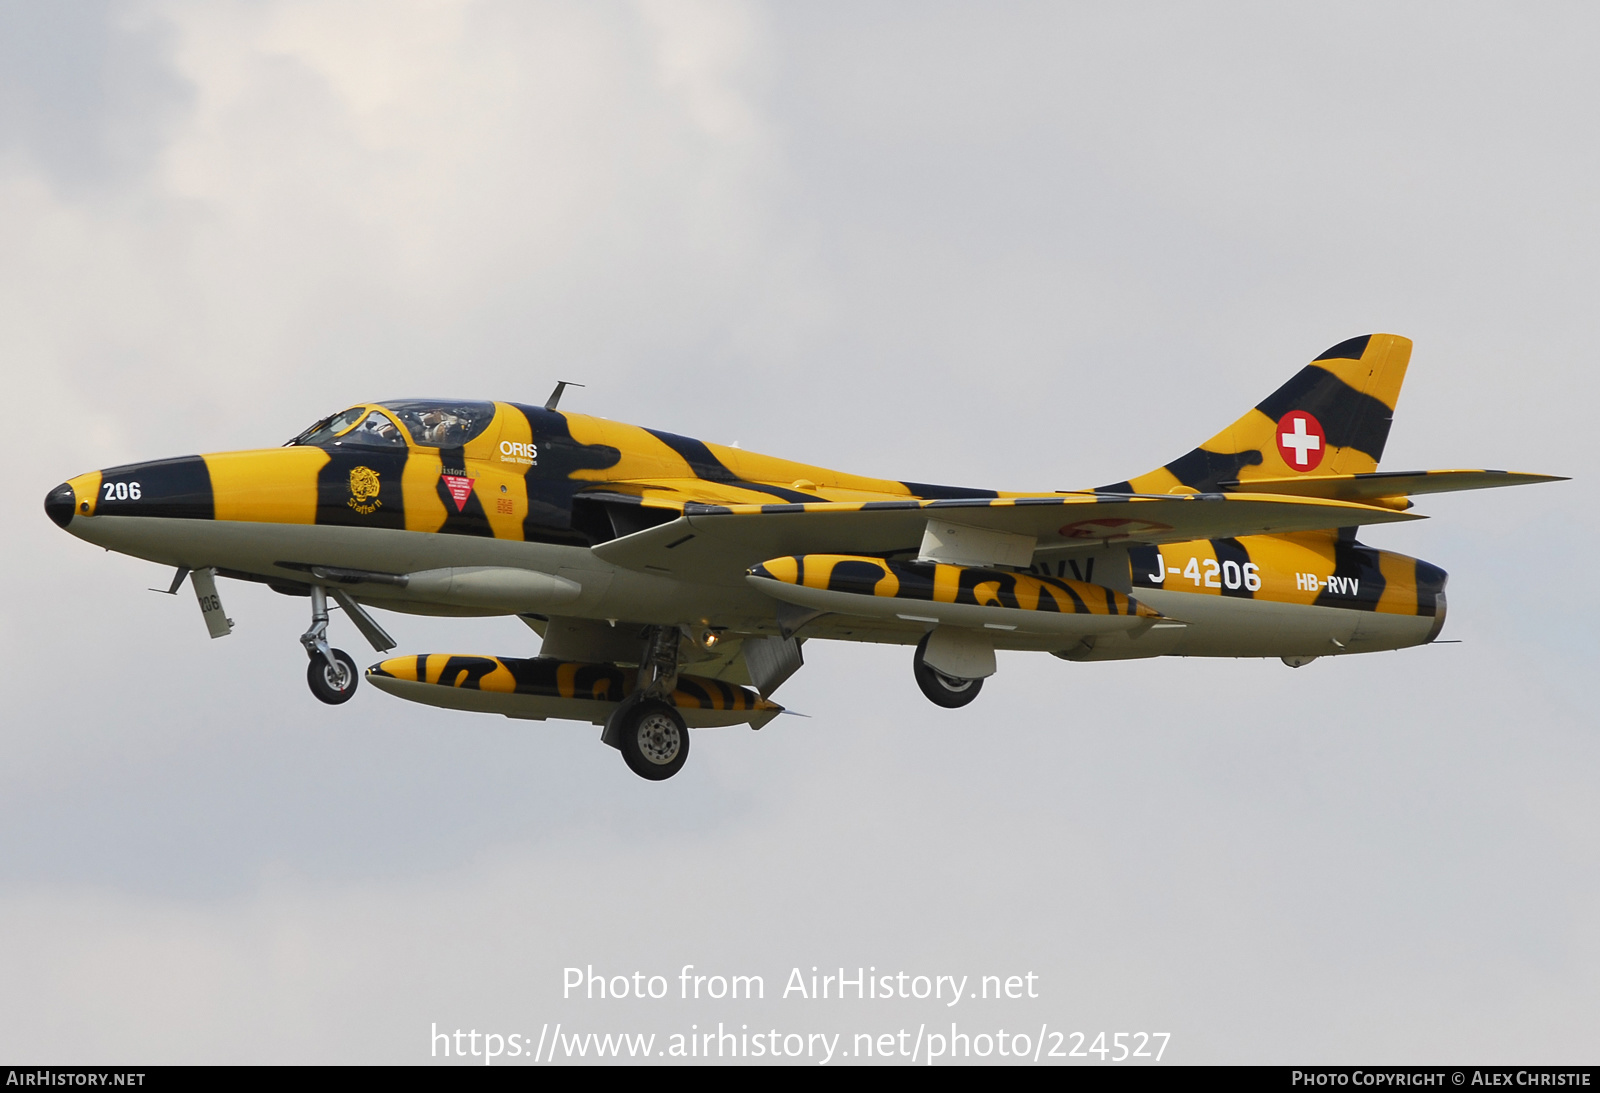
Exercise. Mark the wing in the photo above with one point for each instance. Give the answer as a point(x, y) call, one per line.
point(1379, 484)
point(716, 543)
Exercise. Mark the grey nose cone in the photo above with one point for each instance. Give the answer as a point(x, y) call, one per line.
point(58, 504)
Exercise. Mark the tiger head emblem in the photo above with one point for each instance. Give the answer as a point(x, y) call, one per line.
point(364, 490)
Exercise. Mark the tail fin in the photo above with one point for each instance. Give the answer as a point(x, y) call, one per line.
point(1332, 418)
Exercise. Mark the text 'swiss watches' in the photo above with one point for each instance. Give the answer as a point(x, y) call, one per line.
point(673, 581)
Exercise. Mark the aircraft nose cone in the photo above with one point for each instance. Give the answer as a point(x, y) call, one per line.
point(58, 504)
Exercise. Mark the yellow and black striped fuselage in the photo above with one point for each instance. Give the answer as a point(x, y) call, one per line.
point(526, 489)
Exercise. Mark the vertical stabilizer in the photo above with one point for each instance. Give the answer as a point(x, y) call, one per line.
point(1333, 417)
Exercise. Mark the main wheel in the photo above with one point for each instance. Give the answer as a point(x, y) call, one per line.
point(654, 740)
point(942, 690)
point(331, 685)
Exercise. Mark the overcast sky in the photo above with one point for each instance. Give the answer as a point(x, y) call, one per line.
point(1005, 245)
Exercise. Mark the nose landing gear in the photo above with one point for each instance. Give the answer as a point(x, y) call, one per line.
point(331, 673)
point(332, 679)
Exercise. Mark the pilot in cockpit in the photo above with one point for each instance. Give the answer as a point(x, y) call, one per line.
point(377, 429)
point(442, 429)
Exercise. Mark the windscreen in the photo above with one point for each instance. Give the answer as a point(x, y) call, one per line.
point(354, 428)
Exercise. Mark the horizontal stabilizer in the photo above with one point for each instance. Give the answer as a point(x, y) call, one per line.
point(1370, 487)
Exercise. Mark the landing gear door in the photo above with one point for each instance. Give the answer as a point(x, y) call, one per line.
point(1106, 565)
point(205, 590)
point(770, 661)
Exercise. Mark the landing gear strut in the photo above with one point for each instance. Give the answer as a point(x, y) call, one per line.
point(942, 690)
point(647, 728)
point(331, 673)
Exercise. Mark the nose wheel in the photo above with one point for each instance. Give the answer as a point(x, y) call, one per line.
point(331, 673)
point(333, 678)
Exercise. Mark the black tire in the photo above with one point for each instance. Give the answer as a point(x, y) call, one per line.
point(326, 684)
point(653, 739)
point(943, 690)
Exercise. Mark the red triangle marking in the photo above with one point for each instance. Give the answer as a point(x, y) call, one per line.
point(460, 489)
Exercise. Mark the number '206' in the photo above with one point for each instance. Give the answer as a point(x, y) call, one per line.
point(121, 491)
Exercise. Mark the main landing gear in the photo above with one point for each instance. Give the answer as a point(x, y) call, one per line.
point(646, 727)
point(652, 737)
point(942, 690)
point(332, 673)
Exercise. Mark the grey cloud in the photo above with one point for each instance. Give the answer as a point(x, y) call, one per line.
point(87, 89)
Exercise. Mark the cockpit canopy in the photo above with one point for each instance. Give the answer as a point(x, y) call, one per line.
point(432, 423)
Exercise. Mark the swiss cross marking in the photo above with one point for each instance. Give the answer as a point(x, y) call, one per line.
point(1301, 440)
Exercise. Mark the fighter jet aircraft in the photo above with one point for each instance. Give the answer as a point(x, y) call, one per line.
point(673, 582)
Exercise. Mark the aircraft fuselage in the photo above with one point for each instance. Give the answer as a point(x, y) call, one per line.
point(534, 490)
